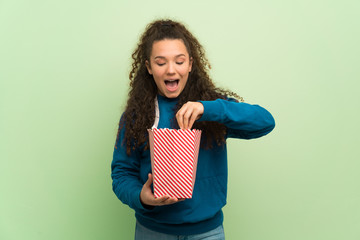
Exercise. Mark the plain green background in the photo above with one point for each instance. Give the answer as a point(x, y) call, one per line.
point(64, 78)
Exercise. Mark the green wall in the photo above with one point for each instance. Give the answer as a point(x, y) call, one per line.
point(63, 83)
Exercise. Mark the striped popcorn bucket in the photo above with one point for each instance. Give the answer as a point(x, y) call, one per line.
point(174, 155)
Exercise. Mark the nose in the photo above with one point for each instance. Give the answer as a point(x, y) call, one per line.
point(171, 69)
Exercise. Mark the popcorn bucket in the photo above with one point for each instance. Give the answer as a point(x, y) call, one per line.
point(174, 155)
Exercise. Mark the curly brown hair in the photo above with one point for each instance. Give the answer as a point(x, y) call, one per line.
point(139, 114)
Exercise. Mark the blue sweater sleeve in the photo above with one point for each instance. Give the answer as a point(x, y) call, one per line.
point(242, 120)
point(125, 174)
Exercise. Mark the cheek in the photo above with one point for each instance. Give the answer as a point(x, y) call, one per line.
point(158, 72)
point(158, 76)
point(184, 71)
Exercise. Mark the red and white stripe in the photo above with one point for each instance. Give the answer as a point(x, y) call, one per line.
point(175, 160)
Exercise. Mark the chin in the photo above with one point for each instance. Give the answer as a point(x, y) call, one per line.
point(172, 95)
point(169, 94)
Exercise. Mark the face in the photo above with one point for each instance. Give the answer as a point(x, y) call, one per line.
point(169, 65)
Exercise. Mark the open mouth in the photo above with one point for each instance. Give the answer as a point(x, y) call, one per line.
point(171, 85)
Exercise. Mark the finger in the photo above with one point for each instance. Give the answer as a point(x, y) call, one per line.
point(196, 114)
point(192, 120)
point(180, 116)
point(170, 200)
point(146, 195)
point(149, 180)
point(179, 119)
point(165, 200)
point(161, 200)
point(185, 114)
point(187, 117)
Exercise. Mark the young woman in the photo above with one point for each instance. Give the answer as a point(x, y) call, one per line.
point(170, 67)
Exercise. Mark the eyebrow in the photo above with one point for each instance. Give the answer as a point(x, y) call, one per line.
point(180, 55)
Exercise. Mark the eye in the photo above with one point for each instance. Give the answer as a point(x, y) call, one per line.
point(179, 63)
point(160, 64)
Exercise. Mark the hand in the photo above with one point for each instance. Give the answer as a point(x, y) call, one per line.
point(148, 198)
point(188, 114)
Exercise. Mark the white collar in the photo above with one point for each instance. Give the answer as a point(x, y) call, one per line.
point(157, 114)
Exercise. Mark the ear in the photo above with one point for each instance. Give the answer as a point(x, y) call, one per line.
point(190, 64)
point(147, 64)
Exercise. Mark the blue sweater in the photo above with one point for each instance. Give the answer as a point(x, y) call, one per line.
point(202, 212)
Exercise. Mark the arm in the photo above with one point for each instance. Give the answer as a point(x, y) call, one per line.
point(243, 120)
point(125, 173)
